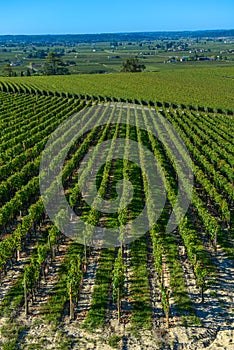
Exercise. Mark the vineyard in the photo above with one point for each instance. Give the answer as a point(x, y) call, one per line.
point(160, 289)
point(213, 87)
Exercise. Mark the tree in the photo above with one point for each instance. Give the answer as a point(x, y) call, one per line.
point(118, 281)
point(7, 71)
point(132, 65)
point(54, 65)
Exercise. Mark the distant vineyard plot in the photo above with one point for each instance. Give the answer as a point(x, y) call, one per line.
point(213, 87)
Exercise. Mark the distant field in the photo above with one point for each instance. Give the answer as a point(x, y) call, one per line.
point(212, 87)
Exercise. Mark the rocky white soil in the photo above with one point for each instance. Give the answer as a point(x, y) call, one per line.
point(216, 314)
point(87, 287)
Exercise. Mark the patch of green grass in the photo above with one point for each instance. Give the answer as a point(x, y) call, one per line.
point(114, 340)
point(189, 321)
point(139, 290)
point(11, 332)
point(14, 298)
point(97, 312)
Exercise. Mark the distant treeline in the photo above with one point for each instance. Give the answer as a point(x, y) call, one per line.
point(112, 37)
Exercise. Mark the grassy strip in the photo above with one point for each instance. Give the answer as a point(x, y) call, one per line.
point(170, 247)
point(54, 307)
point(13, 299)
point(11, 331)
point(96, 315)
point(139, 290)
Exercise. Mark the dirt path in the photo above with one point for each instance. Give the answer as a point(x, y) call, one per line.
point(111, 319)
point(126, 302)
point(166, 281)
point(35, 326)
point(112, 325)
point(81, 339)
point(217, 312)
point(88, 285)
point(11, 277)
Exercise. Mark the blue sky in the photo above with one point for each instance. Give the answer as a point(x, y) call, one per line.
point(76, 16)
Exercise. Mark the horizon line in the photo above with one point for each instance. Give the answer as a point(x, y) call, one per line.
point(127, 32)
